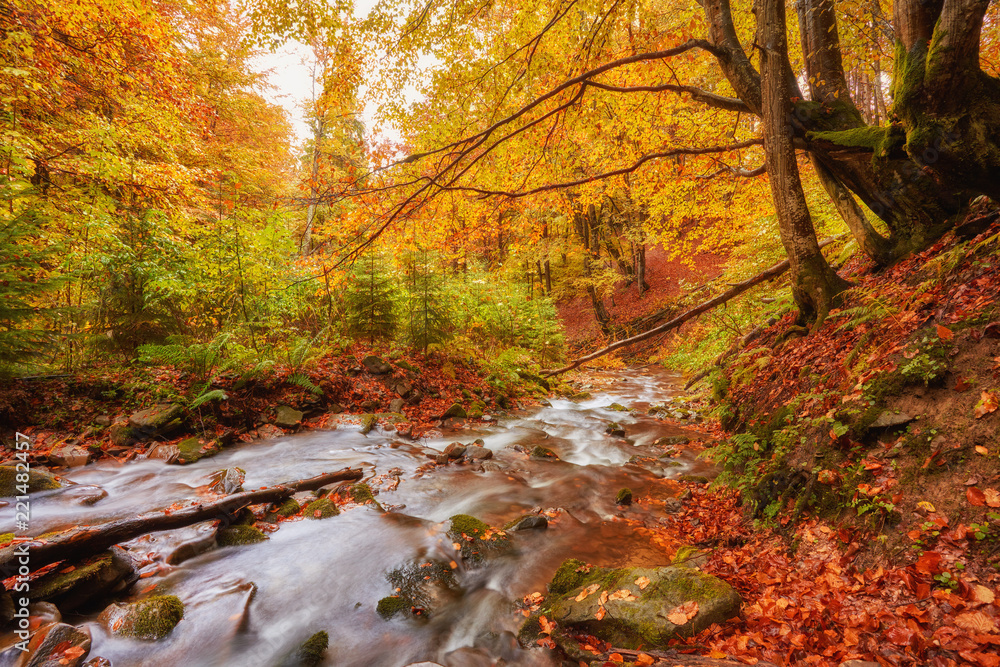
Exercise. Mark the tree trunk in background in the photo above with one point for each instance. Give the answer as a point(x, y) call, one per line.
point(814, 283)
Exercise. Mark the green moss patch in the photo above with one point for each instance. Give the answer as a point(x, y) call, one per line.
point(624, 497)
point(477, 539)
point(323, 508)
point(150, 619)
point(35, 480)
point(234, 536)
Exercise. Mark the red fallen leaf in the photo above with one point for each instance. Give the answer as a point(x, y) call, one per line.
point(944, 333)
point(74, 652)
point(988, 403)
point(961, 384)
point(929, 563)
point(975, 496)
point(899, 635)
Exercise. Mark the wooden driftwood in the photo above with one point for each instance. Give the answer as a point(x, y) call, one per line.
point(82, 541)
point(672, 658)
point(736, 290)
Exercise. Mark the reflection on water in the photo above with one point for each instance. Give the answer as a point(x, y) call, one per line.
point(252, 605)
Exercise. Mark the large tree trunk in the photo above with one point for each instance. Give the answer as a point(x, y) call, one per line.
point(814, 283)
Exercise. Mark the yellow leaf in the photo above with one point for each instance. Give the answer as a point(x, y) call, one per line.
point(976, 621)
point(623, 594)
point(982, 450)
point(926, 506)
point(586, 592)
point(983, 595)
point(600, 613)
point(642, 582)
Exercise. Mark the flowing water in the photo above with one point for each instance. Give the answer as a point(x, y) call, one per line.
point(329, 574)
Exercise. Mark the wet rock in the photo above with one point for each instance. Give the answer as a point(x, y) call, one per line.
point(310, 653)
point(889, 419)
point(227, 481)
point(122, 436)
point(624, 497)
point(275, 512)
point(468, 656)
point(671, 441)
point(617, 407)
point(287, 417)
point(323, 508)
point(36, 480)
point(193, 541)
point(477, 453)
point(156, 421)
point(235, 536)
point(539, 452)
point(615, 430)
point(164, 452)
point(194, 449)
point(91, 579)
point(269, 431)
point(634, 614)
point(58, 645)
point(375, 366)
point(694, 479)
point(529, 522)
point(455, 450)
point(103, 420)
point(362, 494)
point(687, 556)
point(84, 494)
point(368, 422)
point(478, 540)
point(581, 396)
point(421, 588)
point(69, 455)
point(150, 619)
point(441, 459)
point(456, 410)
point(396, 405)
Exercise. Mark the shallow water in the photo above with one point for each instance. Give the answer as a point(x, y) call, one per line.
point(253, 604)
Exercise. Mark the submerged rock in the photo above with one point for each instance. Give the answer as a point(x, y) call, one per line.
point(421, 588)
point(615, 430)
point(58, 645)
point(476, 539)
point(228, 481)
point(150, 619)
point(632, 607)
point(234, 536)
point(624, 497)
point(310, 653)
point(539, 452)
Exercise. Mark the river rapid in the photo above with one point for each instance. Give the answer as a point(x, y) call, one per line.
point(251, 605)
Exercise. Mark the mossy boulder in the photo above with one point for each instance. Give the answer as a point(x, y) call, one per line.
point(36, 480)
point(421, 588)
point(672, 440)
point(287, 417)
point(456, 410)
point(309, 653)
point(637, 603)
point(362, 494)
point(322, 508)
point(156, 421)
point(539, 452)
point(56, 644)
point(234, 536)
point(688, 556)
point(194, 449)
point(391, 605)
point(150, 619)
point(368, 422)
point(476, 410)
point(478, 541)
point(615, 430)
point(95, 578)
point(623, 497)
point(617, 407)
point(289, 507)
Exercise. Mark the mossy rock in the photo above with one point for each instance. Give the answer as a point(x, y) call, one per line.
point(688, 556)
point(539, 452)
point(391, 605)
point(323, 508)
point(289, 507)
point(456, 410)
point(694, 479)
point(615, 430)
point(150, 619)
point(478, 540)
point(362, 494)
point(624, 497)
point(234, 536)
point(6, 538)
point(194, 449)
point(672, 440)
point(581, 396)
point(638, 614)
point(288, 417)
point(368, 422)
point(420, 588)
point(476, 410)
point(309, 653)
point(36, 481)
point(617, 407)
point(92, 579)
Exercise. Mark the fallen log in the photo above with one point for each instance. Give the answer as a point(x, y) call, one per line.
point(736, 290)
point(673, 658)
point(82, 541)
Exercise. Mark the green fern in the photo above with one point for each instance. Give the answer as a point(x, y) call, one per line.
point(300, 380)
point(206, 396)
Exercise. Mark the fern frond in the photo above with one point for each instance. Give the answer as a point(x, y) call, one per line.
point(301, 380)
point(214, 395)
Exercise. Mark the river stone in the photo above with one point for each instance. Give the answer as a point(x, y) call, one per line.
point(84, 494)
point(615, 430)
point(288, 417)
point(530, 522)
point(671, 441)
point(455, 450)
point(93, 578)
point(156, 421)
point(38, 480)
point(309, 653)
point(617, 407)
point(288, 507)
point(539, 452)
point(69, 455)
point(194, 449)
point(888, 419)
point(478, 541)
point(150, 619)
point(642, 622)
point(396, 405)
point(456, 410)
point(193, 541)
point(375, 366)
point(477, 453)
point(55, 642)
point(165, 452)
point(227, 481)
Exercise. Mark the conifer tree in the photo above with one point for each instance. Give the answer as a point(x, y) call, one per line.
point(428, 318)
point(371, 301)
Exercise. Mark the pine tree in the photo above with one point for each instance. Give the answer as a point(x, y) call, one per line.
point(428, 318)
point(371, 301)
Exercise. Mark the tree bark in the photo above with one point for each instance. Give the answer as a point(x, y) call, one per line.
point(82, 541)
point(873, 244)
point(814, 283)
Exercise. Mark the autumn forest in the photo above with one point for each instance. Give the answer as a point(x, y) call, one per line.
point(581, 332)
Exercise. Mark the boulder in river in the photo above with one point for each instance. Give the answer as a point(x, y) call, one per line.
point(624, 497)
point(288, 507)
point(58, 645)
point(528, 522)
point(375, 366)
point(150, 619)
point(36, 480)
point(631, 607)
point(234, 536)
point(191, 541)
point(615, 430)
point(455, 450)
point(156, 421)
point(100, 576)
point(69, 455)
point(227, 481)
point(456, 410)
point(539, 452)
point(477, 453)
point(321, 509)
point(194, 449)
point(476, 539)
point(421, 588)
point(287, 417)
point(309, 653)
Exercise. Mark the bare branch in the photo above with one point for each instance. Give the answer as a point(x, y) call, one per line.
point(699, 95)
